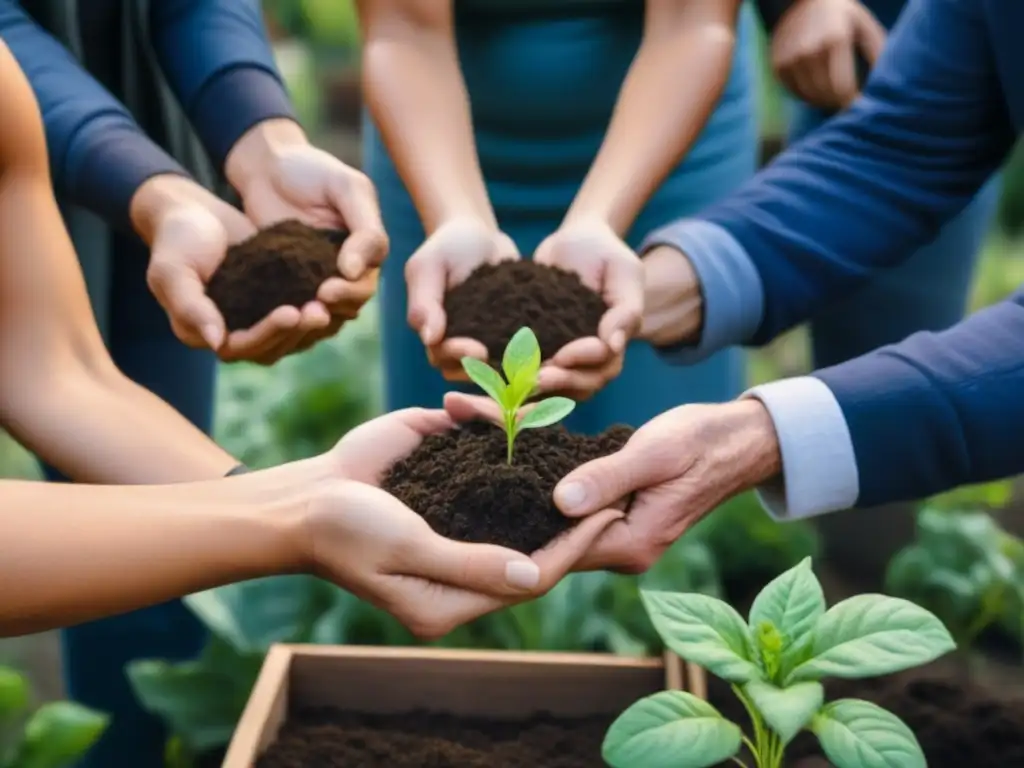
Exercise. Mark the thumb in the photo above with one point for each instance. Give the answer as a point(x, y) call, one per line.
point(870, 35)
point(602, 483)
point(426, 287)
point(182, 294)
point(361, 250)
point(481, 568)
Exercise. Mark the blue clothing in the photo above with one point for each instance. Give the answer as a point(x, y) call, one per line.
point(927, 292)
point(218, 63)
point(535, 146)
point(940, 114)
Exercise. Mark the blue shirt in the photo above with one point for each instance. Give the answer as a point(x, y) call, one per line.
point(939, 114)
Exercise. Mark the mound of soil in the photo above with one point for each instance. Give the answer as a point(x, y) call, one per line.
point(280, 266)
point(325, 738)
point(496, 300)
point(461, 483)
point(959, 723)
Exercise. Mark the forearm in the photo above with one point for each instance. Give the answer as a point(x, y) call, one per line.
point(98, 154)
point(220, 64)
point(659, 115)
point(125, 548)
point(417, 97)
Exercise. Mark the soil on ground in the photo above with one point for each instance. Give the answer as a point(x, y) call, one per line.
point(283, 265)
point(332, 739)
point(461, 483)
point(496, 300)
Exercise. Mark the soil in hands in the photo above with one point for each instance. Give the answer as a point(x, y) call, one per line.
point(461, 483)
point(496, 300)
point(280, 266)
point(329, 739)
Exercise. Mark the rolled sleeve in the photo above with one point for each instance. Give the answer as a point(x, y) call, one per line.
point(819, 466)
point(731, 289)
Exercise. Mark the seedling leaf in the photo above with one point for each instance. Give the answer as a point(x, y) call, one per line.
point(671, 729)
point(792, 603)
point(521, 354)
point(485, 377)
point(786, 710)
point(857, 734)
point(871, 635)
point(705, 631)
point(547, 412)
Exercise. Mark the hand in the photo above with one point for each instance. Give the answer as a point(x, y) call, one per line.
point(608, 266)
point(673, 304)
point(373, 545)
point(814, 49)
point(445, 260)
point(279, 176)
point(680, 466)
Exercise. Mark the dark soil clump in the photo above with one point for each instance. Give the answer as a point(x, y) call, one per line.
point(280, 266)
point(498, 299)
point(330, 739)
point(462, 485)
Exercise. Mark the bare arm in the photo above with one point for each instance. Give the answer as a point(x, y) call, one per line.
point(417, 96)
point(672, 87)
point(60, 393)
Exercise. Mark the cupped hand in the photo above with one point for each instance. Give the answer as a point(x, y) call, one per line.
point(606, 265)
point(677, 468)
point(444, 261)
point(814, 50)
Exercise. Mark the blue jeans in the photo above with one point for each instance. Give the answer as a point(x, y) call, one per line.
point(143, 346)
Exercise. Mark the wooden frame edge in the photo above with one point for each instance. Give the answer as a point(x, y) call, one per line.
point(250, 732)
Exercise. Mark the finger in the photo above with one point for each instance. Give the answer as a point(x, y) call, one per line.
point(313, 317)
point(353, 195)
point(611, 551)
point(842, 74)
point(259, 340)
point(582, 353)
point(869, 35)
point(604, 482)
point(577, 383)
point(624, 292)
point(430, 610)
point(182, 294)
point(562, 555)
point(449, 353)
point(310, 339)
point(424, 421)
point(362, 250)
point(483, 568)
point(336, 292)
point(426, 286)
point(462, 408)
point(824, 90)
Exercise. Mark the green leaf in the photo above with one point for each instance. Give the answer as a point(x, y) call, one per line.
point(704, 630)
point(786, 710)
point(14, 693)
point(871, 635)
point(485, 377)
point(857, 734)
point(671, 729)
point(58, 734)
point(522, 355)
point(792, 603)
point(547, 412)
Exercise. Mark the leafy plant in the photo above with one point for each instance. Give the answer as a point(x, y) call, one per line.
point(521, 364)
point(55, 735)
point(775, 662)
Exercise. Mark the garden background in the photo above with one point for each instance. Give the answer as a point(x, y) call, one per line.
point(301, 406)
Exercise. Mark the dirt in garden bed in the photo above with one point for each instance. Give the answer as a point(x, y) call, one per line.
point(462, 485)
point(497, 300)
point(283, 265)
point(332, 739)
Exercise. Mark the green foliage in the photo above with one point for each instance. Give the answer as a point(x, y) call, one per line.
point(55, 735)
point(521, 364)
point(775, 662)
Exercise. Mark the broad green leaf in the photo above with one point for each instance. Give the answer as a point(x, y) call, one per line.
point(520, 388)
point(857, 734)
point(521, 354)
point(671, 729)
point(871, 635)
point(485, 377)
point(792, 603)
point(705, 631)
point(58, 734)
point(547, 412)
point(786, 710)
point(14, 693)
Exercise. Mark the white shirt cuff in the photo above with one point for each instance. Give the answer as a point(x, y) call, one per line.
point(819, 466)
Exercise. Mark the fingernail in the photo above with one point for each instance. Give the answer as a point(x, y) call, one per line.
point(570, 496)
point(211, 333)
point(618, 341)
point(522, 574)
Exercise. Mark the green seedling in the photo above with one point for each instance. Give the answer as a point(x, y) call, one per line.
point(520, 364)
point(775, 662)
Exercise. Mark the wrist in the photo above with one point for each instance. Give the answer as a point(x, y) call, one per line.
point(156, 197)
point(673, 298)
point(258, 148)
point(745, 444)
